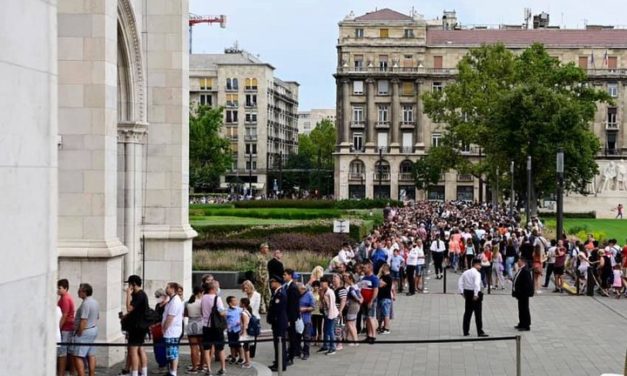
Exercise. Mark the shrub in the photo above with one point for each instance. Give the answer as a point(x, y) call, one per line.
point(239, 260)
point(366, 203)
point(328, 243)
point(598, 235)
point(591, 214)
point(273, 213)
point(301, 204)
point(577, 229)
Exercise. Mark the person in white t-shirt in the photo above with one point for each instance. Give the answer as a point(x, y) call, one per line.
point(172, 324)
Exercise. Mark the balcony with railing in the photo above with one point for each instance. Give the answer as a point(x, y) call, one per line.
point(464, 178)
point(357, 150)
point(382, 124)
point(384, 176)
point(358, 124)
point(407, 149)
point(611, 126)
point(359, 176)
point(614, 72)
point(438, 72)
point(406, 176)
point(383, 149)
point(250, 105)
point(250, 137)
point(408, 124)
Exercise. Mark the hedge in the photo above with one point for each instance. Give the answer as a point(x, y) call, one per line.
point(592, 214)
point(272, 213)
point(328, 243)
point(318, 204)
point(247, 232)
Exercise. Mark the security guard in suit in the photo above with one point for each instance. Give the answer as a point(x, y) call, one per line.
point(277, 318)
point(522, 290)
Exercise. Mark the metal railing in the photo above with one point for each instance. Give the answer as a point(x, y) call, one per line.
point(405, 176)
point(611, 125)
point(382, 124)
point(407, 149)
point(415, 70)
point(381, 176)
point(357, 176)
point(358, 124)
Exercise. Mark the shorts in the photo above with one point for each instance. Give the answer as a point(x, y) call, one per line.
point(88, 336)
point(233, 338)
point(212, 337)
point(384, 307)
point(419, 270)
point(136, 337)
point(66, 336)
point(171, 348)
point(370, 311)
point(395, 275)
point(558, 270)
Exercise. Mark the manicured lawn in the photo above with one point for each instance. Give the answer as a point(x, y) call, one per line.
point(613, 228)
point(230, 220)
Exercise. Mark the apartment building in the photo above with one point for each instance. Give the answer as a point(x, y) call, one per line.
point(307, 120)
point(387, 59)
point(260, 114)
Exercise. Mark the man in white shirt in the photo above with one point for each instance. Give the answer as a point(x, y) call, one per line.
point(172, 324)
point(469, 286)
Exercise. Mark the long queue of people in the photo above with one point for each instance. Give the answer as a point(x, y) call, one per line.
point(348, 303)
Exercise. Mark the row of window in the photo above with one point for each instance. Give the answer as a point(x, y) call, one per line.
point(408, 88)
point(232, 132)
point(206, 83)
point(383, 114)
point(384, 33)
point(407, 141)
point(232, 100)
point(232, 116)
point(383, 62)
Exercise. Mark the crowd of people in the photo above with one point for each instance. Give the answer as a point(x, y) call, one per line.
point(352, 300)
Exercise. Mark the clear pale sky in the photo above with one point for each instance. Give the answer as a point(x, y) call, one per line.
point(298, 37)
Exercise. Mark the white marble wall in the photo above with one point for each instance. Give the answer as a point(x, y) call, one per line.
point(28, 185)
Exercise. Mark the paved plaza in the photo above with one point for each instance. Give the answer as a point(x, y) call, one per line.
point(570, 335)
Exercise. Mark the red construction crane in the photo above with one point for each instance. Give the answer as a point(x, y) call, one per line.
point(195, 19)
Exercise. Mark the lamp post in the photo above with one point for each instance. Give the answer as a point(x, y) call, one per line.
point(280, 172)
point(511, 198)
point(250, 172)
point(496, 193)
point(528, 205)
point(560, 192)
point(380, 171)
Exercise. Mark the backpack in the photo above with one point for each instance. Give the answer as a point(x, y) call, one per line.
point(151, 317)
point(618, 258)
point(254, 327)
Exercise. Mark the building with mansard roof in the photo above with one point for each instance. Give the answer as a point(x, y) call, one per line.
point(387, 59)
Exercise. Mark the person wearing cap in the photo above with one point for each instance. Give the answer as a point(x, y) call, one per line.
point(136, 306)
point(469, 286)
point(293, 314)
point(522, 290)
point(277, 318)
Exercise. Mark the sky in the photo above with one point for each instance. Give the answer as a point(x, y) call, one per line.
point(298, 37)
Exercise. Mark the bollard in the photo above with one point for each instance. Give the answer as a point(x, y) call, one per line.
point(279, 366)
point(444, 279)
point(518, 360)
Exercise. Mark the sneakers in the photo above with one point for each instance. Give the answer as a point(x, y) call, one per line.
point(385, 331)
point(192, 371)
point(222, 372)
point(240, 361)
point(330, 352)
point(246, 365)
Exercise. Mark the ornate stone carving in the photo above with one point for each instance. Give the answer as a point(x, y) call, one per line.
point(126, 18)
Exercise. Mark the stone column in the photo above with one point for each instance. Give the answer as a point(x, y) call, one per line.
point(396, 116)
point(371, 118)
point(370, 171)
point(346, 119)
point(89, 248)
point(28, 186)
point(168, 248)
point(394, 171)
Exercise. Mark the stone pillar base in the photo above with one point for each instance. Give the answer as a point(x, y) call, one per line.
point(168, 257)
point(99, 263)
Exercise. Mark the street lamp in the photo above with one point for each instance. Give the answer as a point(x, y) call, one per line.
point(527, 208)
point(560, 192)
point(511, 198)
point(380, 170)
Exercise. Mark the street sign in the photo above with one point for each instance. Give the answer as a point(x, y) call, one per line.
point(341, 226)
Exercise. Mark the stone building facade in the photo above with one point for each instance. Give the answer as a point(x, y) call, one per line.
point(307, 120)
point(386, 60)
point(105, 193)
point(260, 114)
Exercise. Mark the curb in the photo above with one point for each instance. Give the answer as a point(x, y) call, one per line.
point(262, 370)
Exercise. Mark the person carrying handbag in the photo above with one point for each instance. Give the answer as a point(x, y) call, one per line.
point(214, 324)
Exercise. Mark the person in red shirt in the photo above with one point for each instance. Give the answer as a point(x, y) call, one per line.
point(66, 324)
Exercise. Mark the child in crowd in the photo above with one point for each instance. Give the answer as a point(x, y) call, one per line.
point(396, 264)
point(234, 329)
point(617, 285)
point(247, 313)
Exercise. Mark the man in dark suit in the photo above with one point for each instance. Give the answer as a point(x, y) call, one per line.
point(275, 266)
point(522, 289)
point(277, 318)
point(293, 313)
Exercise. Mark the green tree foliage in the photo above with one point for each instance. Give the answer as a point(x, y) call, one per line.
point(511, 106)
point(319, 144)
point(209, 152)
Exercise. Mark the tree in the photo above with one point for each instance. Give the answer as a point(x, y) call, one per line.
point(511, 106)
point(315, 151)
point(209, 152)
